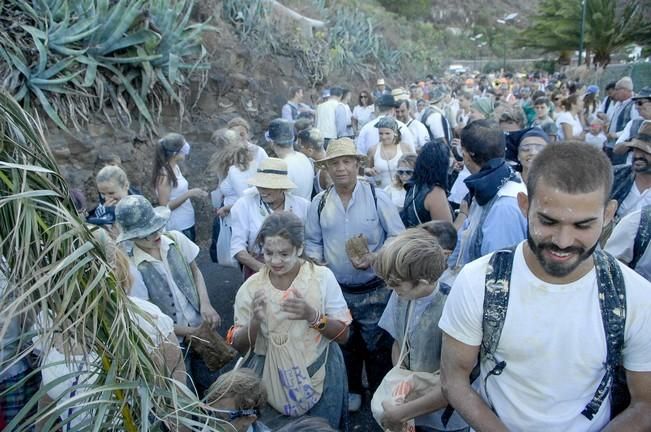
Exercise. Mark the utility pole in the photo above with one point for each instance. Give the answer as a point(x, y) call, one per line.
point(582, 30)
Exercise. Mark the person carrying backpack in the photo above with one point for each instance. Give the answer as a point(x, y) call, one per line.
point(560, 327)
point(630, 240)
point(434, 118)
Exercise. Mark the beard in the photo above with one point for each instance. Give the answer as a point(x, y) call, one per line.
point(558, 269)
point(643, 168)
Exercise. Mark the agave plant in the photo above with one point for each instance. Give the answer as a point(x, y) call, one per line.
point(73, 58)
point(55, 268)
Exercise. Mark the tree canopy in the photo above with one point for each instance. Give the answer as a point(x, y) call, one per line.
point(608, 27)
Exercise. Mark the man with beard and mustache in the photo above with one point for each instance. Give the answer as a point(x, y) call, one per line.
point(633, 182)
point(552, 364)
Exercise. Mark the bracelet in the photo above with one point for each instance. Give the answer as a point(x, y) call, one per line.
point(340, 333)
point(321, 323)
point(317, 317)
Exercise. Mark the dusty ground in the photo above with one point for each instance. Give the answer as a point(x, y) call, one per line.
point(222, 283)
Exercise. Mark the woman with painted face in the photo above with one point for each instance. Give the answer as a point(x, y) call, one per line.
point(247, 214)
point(171, 187)
point(292, 314)
point(384, 156)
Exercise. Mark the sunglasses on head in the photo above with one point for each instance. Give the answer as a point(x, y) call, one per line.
point(641, 102)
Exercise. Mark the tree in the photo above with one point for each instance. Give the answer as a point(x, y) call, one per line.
point(608, 28)
point(55, 268)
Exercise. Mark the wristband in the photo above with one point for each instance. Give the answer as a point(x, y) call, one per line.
point(321, 323)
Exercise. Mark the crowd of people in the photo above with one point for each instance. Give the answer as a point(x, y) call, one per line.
point(383, 244)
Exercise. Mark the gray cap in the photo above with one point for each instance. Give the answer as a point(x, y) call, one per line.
point(437, 94)
point(138, 218)
point(281, 132)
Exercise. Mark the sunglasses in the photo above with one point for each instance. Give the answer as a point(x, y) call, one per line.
point(641, 102)
point(363, 97)
point(405, 172)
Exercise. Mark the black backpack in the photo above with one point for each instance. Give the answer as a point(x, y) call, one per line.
point(447, 129)
point(642, 237)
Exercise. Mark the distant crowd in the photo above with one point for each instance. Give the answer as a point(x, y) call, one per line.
point(459, 253)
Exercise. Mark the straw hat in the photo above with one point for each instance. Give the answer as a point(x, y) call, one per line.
point(138, 218)
point(380, 81)
point(272, 174)
point(642, 140)
point(341, 147)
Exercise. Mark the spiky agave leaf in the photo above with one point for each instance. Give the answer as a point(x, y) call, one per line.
point(56, 270)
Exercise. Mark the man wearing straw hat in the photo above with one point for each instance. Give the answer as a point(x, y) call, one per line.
point(346, 225)
point(270, 194)
point(174, 282)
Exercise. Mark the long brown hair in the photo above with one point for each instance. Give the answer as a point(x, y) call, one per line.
point(230, 152)
point(166, 147)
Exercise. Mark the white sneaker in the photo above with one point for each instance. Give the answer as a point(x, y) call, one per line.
point(354, 402)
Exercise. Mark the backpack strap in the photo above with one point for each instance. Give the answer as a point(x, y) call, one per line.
point(324, 199)
point(496, 302)
point(423, 119)
point(612, 302)
point(643, 236)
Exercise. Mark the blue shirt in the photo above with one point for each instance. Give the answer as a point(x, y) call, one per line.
point(504, 226)
point(325, 239)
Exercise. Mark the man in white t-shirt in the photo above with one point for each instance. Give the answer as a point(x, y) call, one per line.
point(553, 345)
point(299, 167)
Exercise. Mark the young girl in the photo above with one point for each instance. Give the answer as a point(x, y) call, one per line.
point(292, 314)
point(405, 171)
point(411, 265)
point(171, 187)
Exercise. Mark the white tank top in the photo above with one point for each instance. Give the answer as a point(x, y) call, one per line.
point(386, 169)
point(182, 217)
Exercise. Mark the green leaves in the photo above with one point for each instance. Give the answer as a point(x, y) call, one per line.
point(58, 276)
point(72, 58)
point(608, 27)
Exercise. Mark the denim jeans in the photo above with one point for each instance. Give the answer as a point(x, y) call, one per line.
point(368, 343)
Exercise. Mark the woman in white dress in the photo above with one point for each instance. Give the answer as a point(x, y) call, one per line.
point(384, 156)
point(363, 111)
point(171, 187)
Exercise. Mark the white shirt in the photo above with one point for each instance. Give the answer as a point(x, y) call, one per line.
point(181, 217)
point(420, 133)
point(635, 200)
point(186, 315)
point(363, 114)
point(574, 122)
point(249, 212)
point(459, 189)
point(434, 122)
point(397, 195)
point(621, 241)
point(597, 141)
point(301, 171)
point(325, 118)
point(236, 181)
point(369, 136)
point(553, 343)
